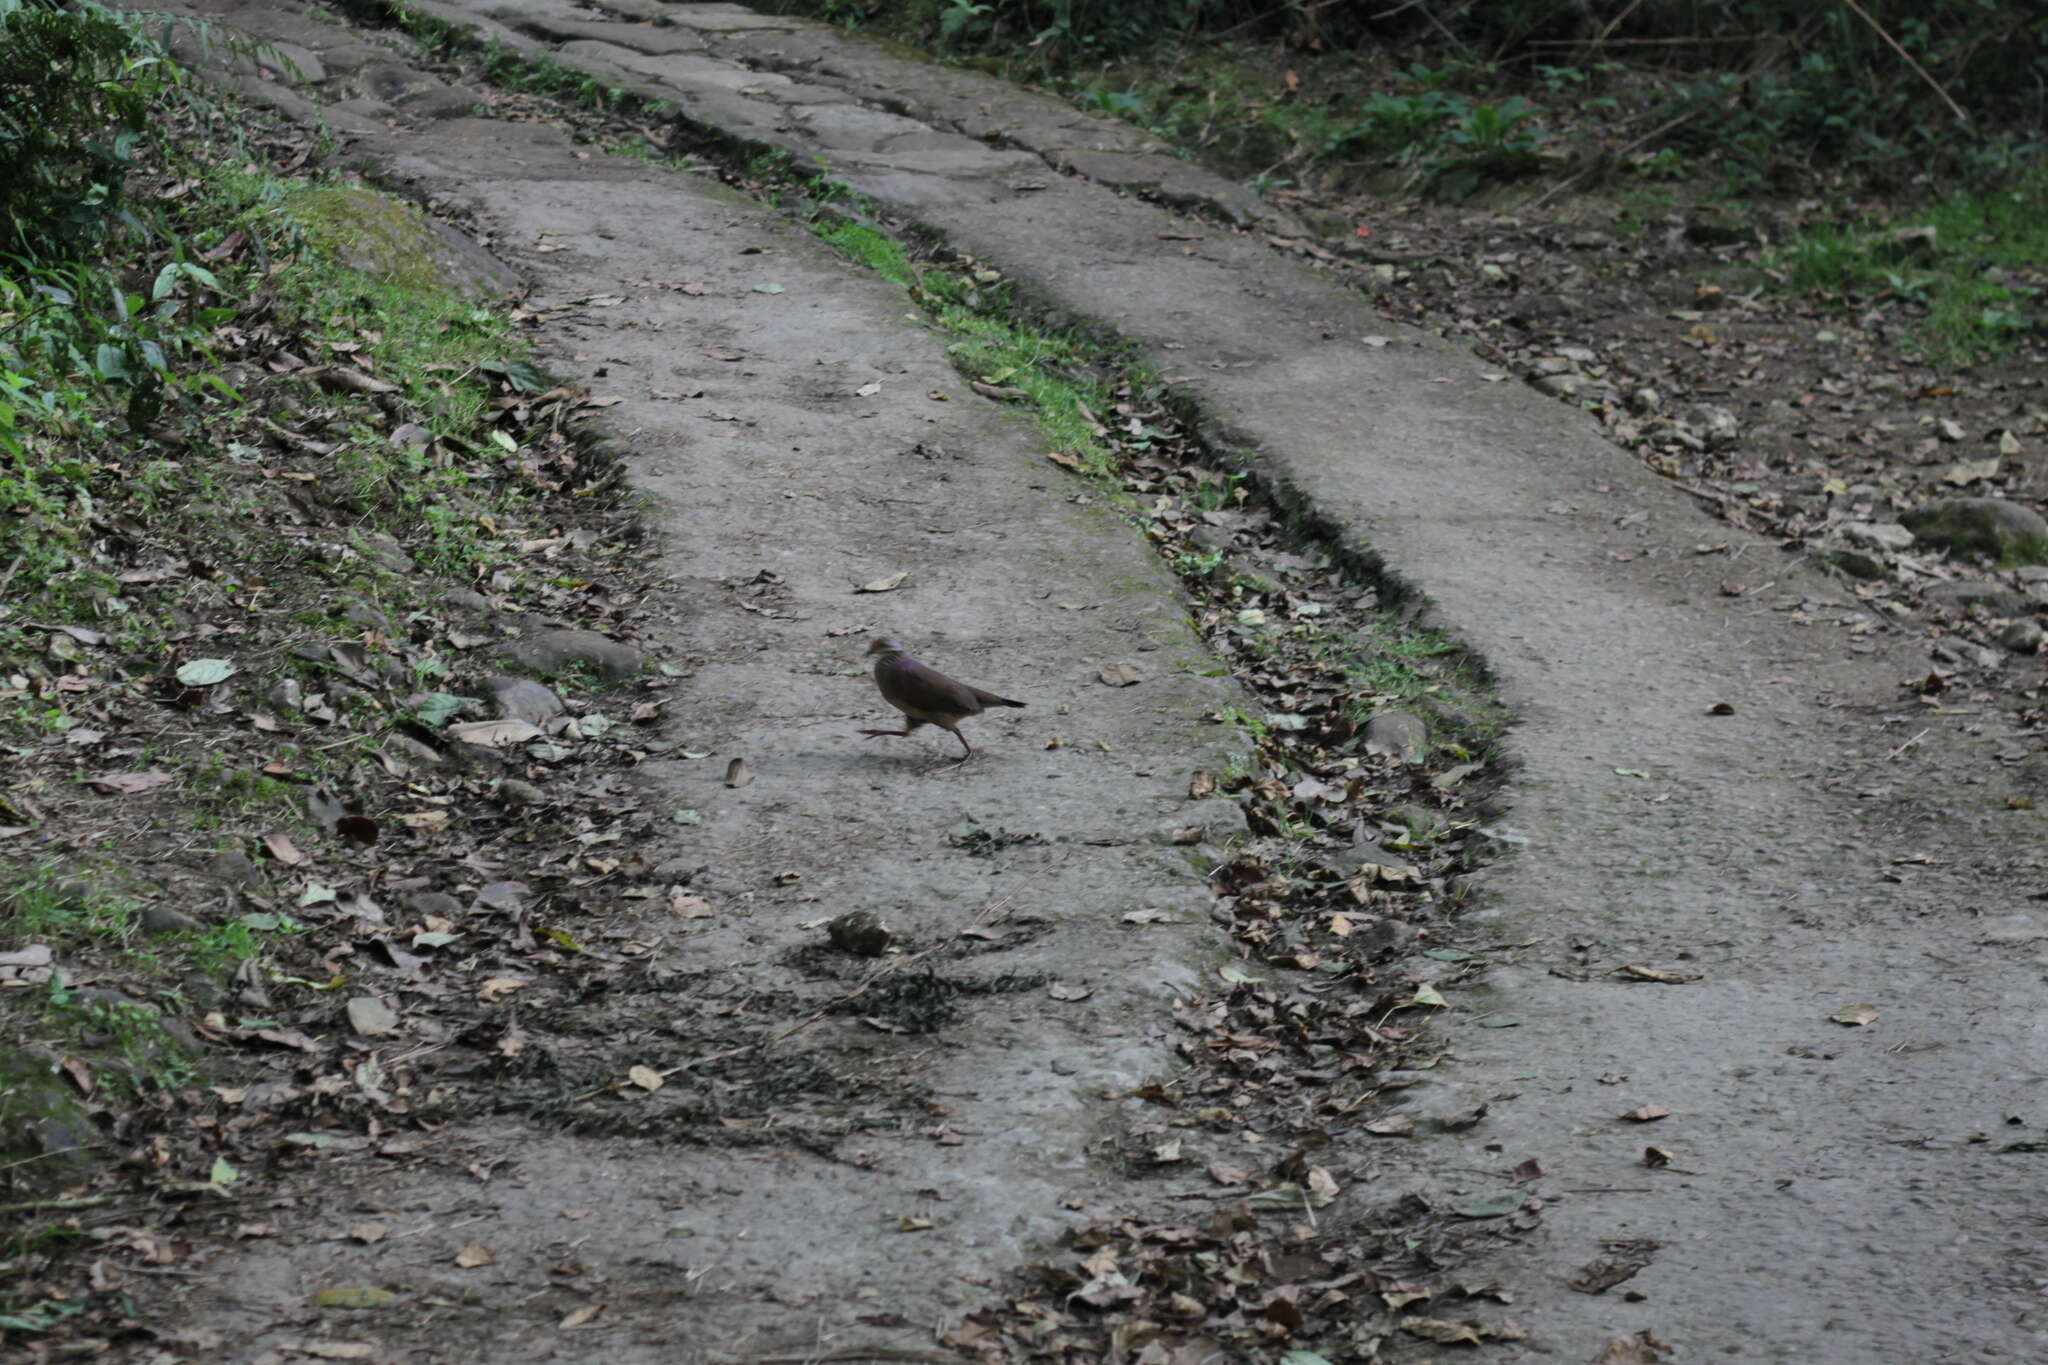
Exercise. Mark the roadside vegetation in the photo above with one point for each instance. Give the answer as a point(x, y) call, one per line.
point(1847, 119)
point(275, 475)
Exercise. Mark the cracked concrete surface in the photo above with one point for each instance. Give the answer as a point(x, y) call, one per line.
point(1829, 1198)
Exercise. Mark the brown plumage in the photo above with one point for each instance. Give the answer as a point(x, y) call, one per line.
point(924, 695)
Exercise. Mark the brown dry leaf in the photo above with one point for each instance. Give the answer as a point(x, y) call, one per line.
point(1065, 460)
point(127, 784)
point(580, 1316)
point(498, 987)
point(474, 1255)
point(281, 847)
point(646, 1078)
point(1228, 1175)
point(1120, 675)
point(1393, 1125)
point(910, 1222)
point(1656, 1158)
point(687, 905)
point(494, 734)
point(1059, 990)
point(1441, 1330)
point(1201, 785)
point(369, 1016)
point(80, 1074)
point(1670, 978)
point(889, 584)
point(1648, 1113)
point(1643, 1348)
point(1855, 1016)
point(369, 1234)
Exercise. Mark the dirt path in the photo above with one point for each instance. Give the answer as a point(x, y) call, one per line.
point(1824, 1193)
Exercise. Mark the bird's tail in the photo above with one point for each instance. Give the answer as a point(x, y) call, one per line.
point(991, 699)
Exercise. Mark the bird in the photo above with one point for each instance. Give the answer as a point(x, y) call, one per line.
point(924, 695)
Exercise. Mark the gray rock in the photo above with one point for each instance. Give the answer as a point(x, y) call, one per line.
point(438, 903)
point(1855, 563)
point(1645, 399)
point(1401, 733)
point(368, 617)
point(860, 932)
point(286, 696)
point(162, 919)
point(552, 652)
point(1251, 577)
point(518, 792)
point(236, 869)
point(1560, 385)
point(1714, 227)
point(1989, 598)
point(1878, 535)
point(1533, 308)
point(406, 749)
point(382, 549)
point(523, 699)
point(2022, 637)
point(1988, 526)
point(1711, 422)
point(466, 600)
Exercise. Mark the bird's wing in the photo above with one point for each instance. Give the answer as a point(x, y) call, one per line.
point(924, 693)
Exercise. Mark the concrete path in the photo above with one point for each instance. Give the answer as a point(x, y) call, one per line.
point(1829, 1194)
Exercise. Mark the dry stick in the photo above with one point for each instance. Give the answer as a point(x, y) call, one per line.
point(1615, 22)
point(980, 917)
point(1907, 57)
point(1561, 186)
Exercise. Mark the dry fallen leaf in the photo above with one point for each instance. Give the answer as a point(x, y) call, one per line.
point(474, 1255)
point(889, 584)
point(737, 773)
point(1648, 1113)
point(1855, 1016)
point(1120, 675)
point(127, 784)
point(1200, 785)
point(646, 1078)
point(494, 734)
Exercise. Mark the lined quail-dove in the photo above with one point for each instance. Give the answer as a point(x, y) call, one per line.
point(924, 695)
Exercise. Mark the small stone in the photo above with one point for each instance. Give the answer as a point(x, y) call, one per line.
point(1973, 595)
point(2021, 637)
point(1711, 422)
point(1989, 526)
point(523, 699)
point(1559, 385)
point(518, 792)
point(860, 932)
point(1855, 563)
point(1878, 535)
point(1713, 227)
point(439, 904)
point(161, 919)
point(286, 696)
point(1400, 733)
point(1645, 399)
point(382, 549)
point(551, 652)
point(466, 600)
point(406, 749)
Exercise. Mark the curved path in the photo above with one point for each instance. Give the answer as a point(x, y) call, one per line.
point(1832, 1193)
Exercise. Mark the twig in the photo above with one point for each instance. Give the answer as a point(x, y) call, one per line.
point(1561, 186)
point(91, 1201)
point(981, 917)
point(1907, 57)
point(1910, 743)
point(1615, 22)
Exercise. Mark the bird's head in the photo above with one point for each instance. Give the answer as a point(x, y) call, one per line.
point(885, 644)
